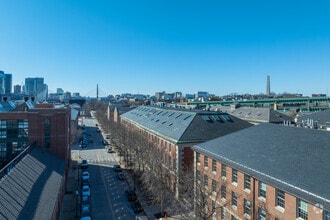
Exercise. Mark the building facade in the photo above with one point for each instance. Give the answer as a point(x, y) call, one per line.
point(172, 132)
point(31, 123)
point(35, 87)
point(265, 172)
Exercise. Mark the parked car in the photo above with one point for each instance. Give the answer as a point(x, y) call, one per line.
point(85, 212)
point(85, 176)
point(137, 208)
point(120, 176)
point(117, 168)
point(131, 195)
point(84, 164)
point(85, 191)
point(85, 183)
point(105, 142)
point(109, 149)
point(84, 202)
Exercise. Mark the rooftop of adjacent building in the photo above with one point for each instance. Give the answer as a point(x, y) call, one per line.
point(293, 159)
point(184, 126)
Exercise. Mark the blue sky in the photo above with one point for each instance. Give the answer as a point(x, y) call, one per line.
point(144, 47)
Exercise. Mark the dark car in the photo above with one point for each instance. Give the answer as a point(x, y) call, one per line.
point(84, 164)
point(121, 176)
point(105, 142)
point(117, 168)
point(137, 208)
point(131, 195)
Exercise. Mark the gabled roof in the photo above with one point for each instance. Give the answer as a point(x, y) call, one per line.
point(30, 190)
point(183, 126)
point(296, 160)
point(321, 117)
point(6, 106)
point(258, 115)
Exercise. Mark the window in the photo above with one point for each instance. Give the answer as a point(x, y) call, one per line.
point(214, 185)
point(223, 170)
point(214, 166)
point(223, 192)
point(262, 190)
point(47, 133)
point(234, 199)
point(198, 157)
point(247, 183)
point(302, 209)
point(261, 214)
point(213, 207)
point(326, 215)
point(234, 176)
point(3, 124)
point(247, 207)
point(280, 198)
point(206, 161)
point(3, 134)
point(198, 175)
point(207, 118)
point(223, 213)
point(206, 180)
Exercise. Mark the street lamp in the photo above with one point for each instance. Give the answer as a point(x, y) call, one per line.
point(77, 194)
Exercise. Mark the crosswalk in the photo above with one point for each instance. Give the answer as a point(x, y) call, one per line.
point(104, 161)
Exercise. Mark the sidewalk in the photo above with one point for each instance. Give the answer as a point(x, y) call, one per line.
point(69, 205)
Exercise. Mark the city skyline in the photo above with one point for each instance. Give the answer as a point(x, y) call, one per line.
point(146, 47)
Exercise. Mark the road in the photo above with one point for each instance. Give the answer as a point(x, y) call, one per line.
point(108, 199)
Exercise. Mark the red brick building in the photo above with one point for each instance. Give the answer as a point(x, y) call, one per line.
point(173, 131)
point(30, 123)
point(265, 172)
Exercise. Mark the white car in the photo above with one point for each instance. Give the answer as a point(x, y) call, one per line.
point(85, 176)
point(85, 191)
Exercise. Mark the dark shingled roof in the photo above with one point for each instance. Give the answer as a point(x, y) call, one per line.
point(321, 117)
point(184, 126)
point(296, 160)
point(30, 190)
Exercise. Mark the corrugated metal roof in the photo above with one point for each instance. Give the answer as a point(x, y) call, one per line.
point(31, 189)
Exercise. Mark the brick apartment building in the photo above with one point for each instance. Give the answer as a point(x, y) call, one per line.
point(265, 172)
point(35, 156)
point(31, 123)
point(174, 131)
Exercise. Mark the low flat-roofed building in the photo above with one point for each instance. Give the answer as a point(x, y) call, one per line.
point(267, 171)
point(255, 115)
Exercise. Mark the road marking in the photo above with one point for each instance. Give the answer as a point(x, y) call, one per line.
point(108, 198)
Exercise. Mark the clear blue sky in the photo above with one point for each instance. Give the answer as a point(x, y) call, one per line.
point(139, 46)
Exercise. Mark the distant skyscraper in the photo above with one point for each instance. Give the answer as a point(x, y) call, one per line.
point(268, 86)
point(17, 89)
point(35, 87)
point(2, 82)
point(60, 91)
point(8, 83)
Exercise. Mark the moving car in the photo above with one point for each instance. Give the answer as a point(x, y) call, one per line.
point(120, 176)
point(117, 168)
point(84, 164)
point(137, 208)
point(131, 195)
